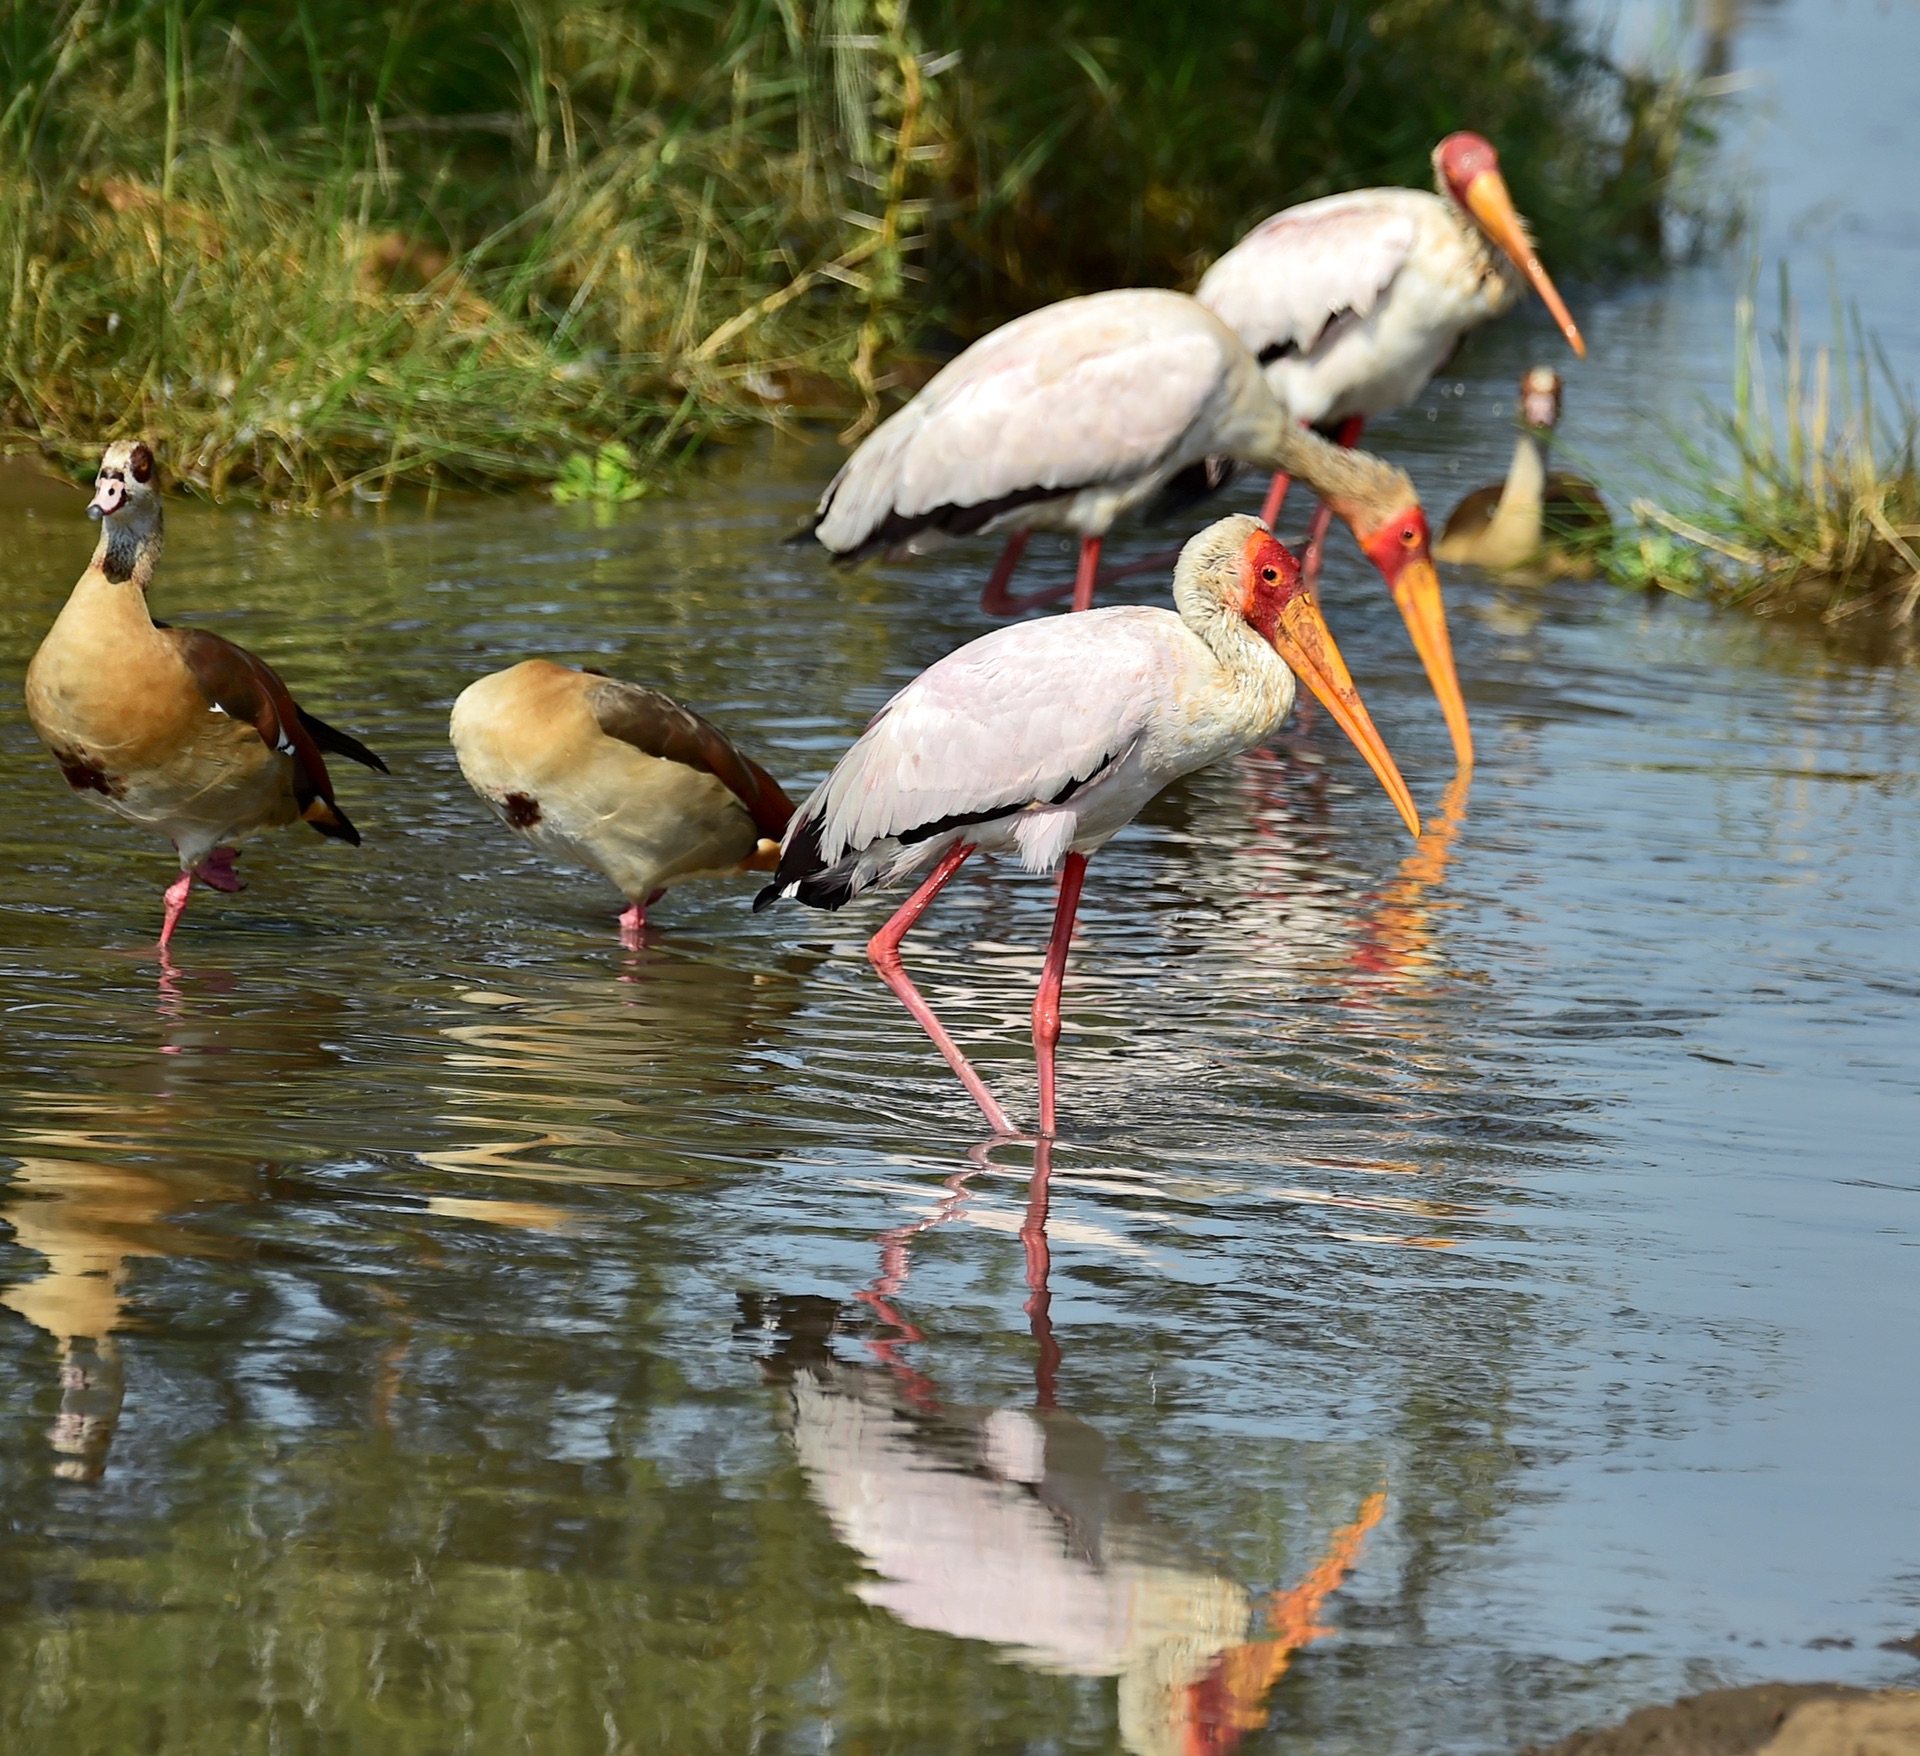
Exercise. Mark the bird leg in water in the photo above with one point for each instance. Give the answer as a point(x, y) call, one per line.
point(1033, 1239)
point(1347, 438)
point(996, 601)
point(633, 922)
point(1046, 1003)
point(883, 951)
point(177, 893)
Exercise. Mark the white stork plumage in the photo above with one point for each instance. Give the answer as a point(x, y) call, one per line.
point(1076, 413)
point(1045, 739)
point(1353, 302)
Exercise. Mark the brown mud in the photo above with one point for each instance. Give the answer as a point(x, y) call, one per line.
point(1764, 1719)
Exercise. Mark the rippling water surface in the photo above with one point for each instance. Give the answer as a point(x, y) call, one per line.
point(428, 1325)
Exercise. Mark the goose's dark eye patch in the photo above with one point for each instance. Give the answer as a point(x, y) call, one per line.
point(142, 463)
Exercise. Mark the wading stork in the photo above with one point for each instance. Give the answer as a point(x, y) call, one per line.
point(1045, 739)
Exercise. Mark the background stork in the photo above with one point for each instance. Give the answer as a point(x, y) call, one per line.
point(1078, 412)
point(1351, 303)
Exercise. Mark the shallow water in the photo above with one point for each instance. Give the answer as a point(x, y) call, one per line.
point(428, 1326)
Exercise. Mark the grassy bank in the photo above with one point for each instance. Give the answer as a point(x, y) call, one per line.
point(319, 248)
point(1813, 510)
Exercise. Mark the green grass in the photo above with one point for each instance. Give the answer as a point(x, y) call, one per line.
point(1815, 509)
point(317, 249)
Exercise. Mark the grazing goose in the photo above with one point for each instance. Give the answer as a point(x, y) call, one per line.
point(173, 728)
point(616, 777)
point(1042, 741)
point(1533, 518)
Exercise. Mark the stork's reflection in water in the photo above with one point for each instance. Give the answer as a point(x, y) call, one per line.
point(1008, 1526)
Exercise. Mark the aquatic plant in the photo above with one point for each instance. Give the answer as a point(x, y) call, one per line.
point(319, 250)
point(1814, 510)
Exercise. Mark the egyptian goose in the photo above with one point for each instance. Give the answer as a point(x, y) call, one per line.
point(616, 777)
point(173, 728)
point(1533, 519)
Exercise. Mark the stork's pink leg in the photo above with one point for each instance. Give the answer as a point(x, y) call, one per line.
point(177, 893)
point(1046, 1003)
point(1033, 1236)
point(883, 950)
point(1348, 437)
point(1089, 574)
point(994, 601)
point(1276, 497)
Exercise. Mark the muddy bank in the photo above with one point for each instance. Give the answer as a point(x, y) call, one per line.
point(1765, 1719)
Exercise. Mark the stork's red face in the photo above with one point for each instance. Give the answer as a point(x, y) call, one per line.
point(1469, 171)
point(1401, 549)
point(1280, 609)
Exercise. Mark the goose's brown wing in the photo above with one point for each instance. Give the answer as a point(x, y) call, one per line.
point(1474, 513)
point(248, 689)
point(661, 727)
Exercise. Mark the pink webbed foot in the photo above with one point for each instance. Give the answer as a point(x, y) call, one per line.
point(217, 873)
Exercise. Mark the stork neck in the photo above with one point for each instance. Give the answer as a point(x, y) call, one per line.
point(1359, 488)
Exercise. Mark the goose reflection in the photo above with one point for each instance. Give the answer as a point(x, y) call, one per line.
point(87, 1221)
point(1008, 1525)
point(102, 1178)
point(567, 1080)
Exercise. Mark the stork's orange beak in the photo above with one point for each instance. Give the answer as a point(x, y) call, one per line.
point(1301, 637)
point(1488, 201)
point(1416, 589)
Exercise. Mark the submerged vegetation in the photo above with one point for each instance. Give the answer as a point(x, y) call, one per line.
point(1814, 510)
point(319, 249)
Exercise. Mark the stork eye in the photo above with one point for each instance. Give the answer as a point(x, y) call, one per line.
point(1409, 536)
point(142, 463)
point(1269, 574)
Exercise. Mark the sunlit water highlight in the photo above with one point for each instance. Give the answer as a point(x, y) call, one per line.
point(428, 1325)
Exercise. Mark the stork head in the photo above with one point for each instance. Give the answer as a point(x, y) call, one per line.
point(1239, 568)
point(1540, 399)
point(126, 489)
point(1466, 169)
point(1377, 502)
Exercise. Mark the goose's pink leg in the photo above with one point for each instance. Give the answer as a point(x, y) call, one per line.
point(1046, 1003)
point(633, 922)
point(177, 893)
point(1348, 437)
point(883, 950)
